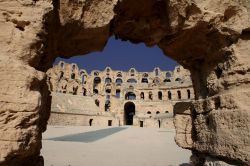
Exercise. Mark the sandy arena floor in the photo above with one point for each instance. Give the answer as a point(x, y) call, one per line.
point(113, 146)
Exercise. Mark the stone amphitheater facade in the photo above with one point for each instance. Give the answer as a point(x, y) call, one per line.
point(116, 98)
point(209, 38)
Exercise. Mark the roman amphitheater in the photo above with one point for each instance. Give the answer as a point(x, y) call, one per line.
point(210, 38)
point(116, 98)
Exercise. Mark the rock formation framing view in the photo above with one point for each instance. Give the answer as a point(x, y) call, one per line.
point(209, 38)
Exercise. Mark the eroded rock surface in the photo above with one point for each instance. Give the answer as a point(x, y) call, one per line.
point(210, 38)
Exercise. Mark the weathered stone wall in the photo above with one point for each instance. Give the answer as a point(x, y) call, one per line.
point(210, 38)
point(68, 109)
point(67, 119)
point(155, 122)
point(69, 79)
point(24, 95)
point(77, 92)
point(74, 119)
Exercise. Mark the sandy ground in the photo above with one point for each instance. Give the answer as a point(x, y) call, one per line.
point(113, 146)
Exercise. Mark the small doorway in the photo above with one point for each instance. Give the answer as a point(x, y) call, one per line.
point(109, 122)
point(129, 112)
point(159, 123)
point(141, 123)
point(90, 122)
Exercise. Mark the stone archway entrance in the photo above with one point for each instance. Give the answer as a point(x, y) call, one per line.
point(210, 38)
point(129, 112)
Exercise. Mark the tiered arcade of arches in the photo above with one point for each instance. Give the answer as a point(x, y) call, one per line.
point(173, 80)
point(153, 93)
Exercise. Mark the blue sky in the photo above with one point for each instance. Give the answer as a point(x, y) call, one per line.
point(120, 55)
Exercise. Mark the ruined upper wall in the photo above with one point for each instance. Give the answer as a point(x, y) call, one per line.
point(178, 75)
point(68, 78)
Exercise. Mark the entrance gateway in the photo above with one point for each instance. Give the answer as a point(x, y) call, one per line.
point(129, 112)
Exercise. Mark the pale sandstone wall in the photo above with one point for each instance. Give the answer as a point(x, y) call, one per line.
point(68, 109)
point(210, 38)
point(68, 119)
point(74, 119)
point(67, 81)
point(166, 123)
point(65, 78)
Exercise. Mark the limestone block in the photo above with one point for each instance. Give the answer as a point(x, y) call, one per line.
point(183, 124)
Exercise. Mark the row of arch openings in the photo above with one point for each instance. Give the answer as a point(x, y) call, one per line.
point(160, 95)
point(108, 80)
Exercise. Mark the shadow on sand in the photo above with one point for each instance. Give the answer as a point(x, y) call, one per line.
point(185, 164)
point(90, 136)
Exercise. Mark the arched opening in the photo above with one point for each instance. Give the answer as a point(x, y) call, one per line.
point(144, 80)
point(118, 93)
point(84, 92)
point(108, 69)
point(148, 112)
point(156, 81)
point(97, 102)
point(179, 94)
point(83, 79)
point(169, 95)
point(108, 96)
point(95, 91)
point(129, 112)
point(82, 72)
point(97, 80)
point(96, 73)
point(132, 81)
point(160, 95)
point(167, 80)
point(142, 95)
point(150, 96)
point(107, 105)
point(73, 76)
point(130, 96)
point(90, 122)
point(118, 81)
point(64, 88)
point(141, 123)
point(108, 80)
point(131, 87)
point(132, 72)
point(157, 112)
point(109, 122)
point(75, 90)
point(168, 75)
point(178, 79)
point(73, 67)
point(145, 75)
point(119, 74)
point(188, 94)
point(62, 65)
point(156, 72)
point(108, 90)
point(61, 75)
